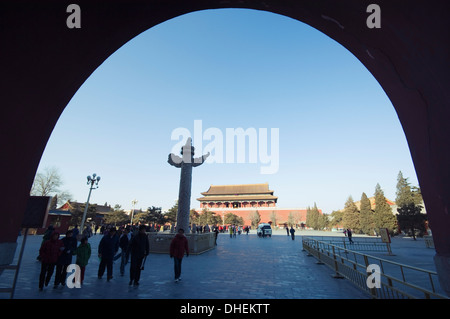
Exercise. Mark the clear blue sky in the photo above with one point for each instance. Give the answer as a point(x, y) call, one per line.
point(339, 134)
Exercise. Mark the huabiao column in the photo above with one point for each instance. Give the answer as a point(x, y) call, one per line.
point(186, 163)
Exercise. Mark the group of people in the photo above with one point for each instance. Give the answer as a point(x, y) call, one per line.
point(233, 230)
point(57, 253)
point(134, 246)
point(291, 232)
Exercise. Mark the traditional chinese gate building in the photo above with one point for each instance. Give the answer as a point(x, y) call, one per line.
point(243, 200)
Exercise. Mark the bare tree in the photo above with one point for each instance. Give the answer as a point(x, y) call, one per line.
point(48, 183)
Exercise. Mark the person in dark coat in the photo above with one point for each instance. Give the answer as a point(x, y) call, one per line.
point(107, 248)
point(47, 235)
point(65, 259)
point(349, 234)
point(178, 246)
point(292, 230)
point(139, 249)
point(49, 252)
point(124, 244)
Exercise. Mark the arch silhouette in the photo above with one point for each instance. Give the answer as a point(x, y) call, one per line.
point(44, 62)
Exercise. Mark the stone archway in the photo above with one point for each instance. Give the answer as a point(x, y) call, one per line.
point(44, 62)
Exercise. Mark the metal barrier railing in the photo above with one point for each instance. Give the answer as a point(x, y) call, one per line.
point(357, 244)
point(395, 281)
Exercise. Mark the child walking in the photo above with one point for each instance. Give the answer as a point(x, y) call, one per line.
point(83, 253)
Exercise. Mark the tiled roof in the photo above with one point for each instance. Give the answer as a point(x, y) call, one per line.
point(249, 198)
point(238, 189)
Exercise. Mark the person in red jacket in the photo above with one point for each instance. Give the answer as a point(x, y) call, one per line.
point(49, 252)
point(178, 246)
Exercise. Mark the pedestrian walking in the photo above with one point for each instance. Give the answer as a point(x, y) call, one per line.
point(287, 230)
point(216, 233)
point(292, 231)
point(124, 244)
point(107, 248)
point(83, 253)
point(65, 259)
point(49, 253)
point(178, 247)
point(139, 249)
point(47, 235)
point(349, 235)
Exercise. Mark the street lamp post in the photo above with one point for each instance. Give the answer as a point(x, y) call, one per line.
point(90, 181)
point(134, 202)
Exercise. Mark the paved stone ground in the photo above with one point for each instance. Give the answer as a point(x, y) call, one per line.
point(245, 267)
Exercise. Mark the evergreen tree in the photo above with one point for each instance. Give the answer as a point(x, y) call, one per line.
point(411, 219)
point(119, 217)
point(322, 221)
point(351, 216)
point(308, 217)
point(155, 215)
point(78, 210)
point(171, 215)
point(208, 217)
point(312, 217)
point(404, 196)
point(383, 216)
point(408, 202)
point(194, 217)
point(231, 219)
point(366, 216)
point(336, 218)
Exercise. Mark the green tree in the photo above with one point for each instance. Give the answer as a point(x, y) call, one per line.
point(367, 221)
point(323, 221)
point(408, 202)
point(255, 218)
point(171, 215)
point(78, 210)
point(140, 217)
point(336, 218)
point(194, 217)
point(417, 195)
point(208, 217)
point(383, 216)
point(155, 215)
point(351, 216)
point(404, 196)
point(118, 217)
point(410, 219)
point(312, 217)
point(231, 218)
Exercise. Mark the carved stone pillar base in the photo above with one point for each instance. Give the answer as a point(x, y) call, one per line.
point(198, 243)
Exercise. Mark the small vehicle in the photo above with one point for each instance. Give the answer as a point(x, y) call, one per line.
point(264, 230)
